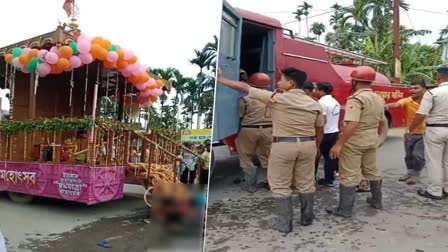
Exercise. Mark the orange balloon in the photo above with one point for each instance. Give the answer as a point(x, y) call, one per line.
point(55, 69)
point(34, 53)
point(143, 77)
point(24, 59)
point(159, 83)
point(132, 60)
point(121, 64)
point(102, 54)
point(120, 53)
point(133, 79)
point(65, 52)
point(8, 58)
point(153, 98)
point(63, 63)
point(94, 50)
point(97, 40)
point(109, 65)
point(106, 44)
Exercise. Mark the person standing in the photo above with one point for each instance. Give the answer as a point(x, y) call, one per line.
point(189, 161)
point(255, 136)
point(308, 88)
point(297, 130)
point(331, 109)
point(413, 140)
point(357, 145)
point(434, 107)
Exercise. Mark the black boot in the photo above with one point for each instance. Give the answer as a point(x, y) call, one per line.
point(376, 201)
point(250, 177)
point(346, 202)
point(306, 208)
point(283, 212)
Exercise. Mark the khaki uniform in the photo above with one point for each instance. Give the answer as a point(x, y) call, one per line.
point(295, 117)
point(435, 105)
point(255, 136)
point(358, 157)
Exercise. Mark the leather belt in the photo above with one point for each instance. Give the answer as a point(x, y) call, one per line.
point(292, 139)
point(257, 126)
point(437, 125)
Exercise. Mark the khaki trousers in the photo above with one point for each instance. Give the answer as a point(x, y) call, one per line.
point(355, 162)
point(292, 164)
point(254, 143)
point(436, 157)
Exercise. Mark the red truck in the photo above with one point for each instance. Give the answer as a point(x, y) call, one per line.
point(258, 43)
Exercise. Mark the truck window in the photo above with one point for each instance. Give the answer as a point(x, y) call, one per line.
point(228, 36)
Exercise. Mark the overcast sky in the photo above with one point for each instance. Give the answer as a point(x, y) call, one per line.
point(433, 18)
point(162, 33)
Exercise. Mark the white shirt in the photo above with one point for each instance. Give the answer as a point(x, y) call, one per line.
point(331, 109)
point(435, 105)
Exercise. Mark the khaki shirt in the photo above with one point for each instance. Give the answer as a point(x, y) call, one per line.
point(435, 105)
point(294, 114)
point(253, 112)
point(367, 108)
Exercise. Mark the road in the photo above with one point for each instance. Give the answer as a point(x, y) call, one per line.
point(48, 225)
point(237, 221)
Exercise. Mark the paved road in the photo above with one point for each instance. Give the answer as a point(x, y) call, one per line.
point(53, 225)
point(237, 221)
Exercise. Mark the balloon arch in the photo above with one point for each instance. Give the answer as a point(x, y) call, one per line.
point(84, 51)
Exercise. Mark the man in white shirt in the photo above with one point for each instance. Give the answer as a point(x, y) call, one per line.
point(331, 109)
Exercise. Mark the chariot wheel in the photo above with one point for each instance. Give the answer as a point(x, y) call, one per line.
point(106, 184)
point(20, 197)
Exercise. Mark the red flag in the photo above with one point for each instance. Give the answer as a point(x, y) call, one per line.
point(68, 4)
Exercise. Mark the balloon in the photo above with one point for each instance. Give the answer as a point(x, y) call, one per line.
point(133, 79)
point(142, 86)
point(128, 55)
point(102, 54)
point(75, 61)
point(23, 69)
point(52, 58)
point(63, 63)
point(152, 82)
point(143, 77)
point(16, 52)
point(97, 40)
point(120, 53)
point(153, 98)
point(26, 50)
point(157, 92)
point(65, 52)
point(55, 50)
point(24, 59)
point(126, 73)
point(139, 70)
point(106, 44)
point(95, 50)
point(121, 64)
point(159, 83)
point(84, 46)
point(8, 58)
point(109, 65)
point(44, 69)
point(112, 56)
point(17, 63)
point(42, 53)
point(32, 66)
point(74, 47)
point(55, 69)
point(34, 53)
point(69, 69)
point(133, 59)
point(86, 58)
point(84, 38)
point(113, 48)
point(145, 93)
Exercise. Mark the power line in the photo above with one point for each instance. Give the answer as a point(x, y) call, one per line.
point(412, 26)
point(321, 14)
point(430, 11)
point(284, 12)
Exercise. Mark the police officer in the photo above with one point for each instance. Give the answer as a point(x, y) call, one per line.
point(357, 145)
point(297, 127)
point(434, 106)
point(255, 136)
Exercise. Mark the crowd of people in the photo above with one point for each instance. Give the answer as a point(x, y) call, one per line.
point(289, 129)
point(193, 165)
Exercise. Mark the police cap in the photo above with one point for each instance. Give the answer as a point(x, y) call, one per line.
point(442, 69)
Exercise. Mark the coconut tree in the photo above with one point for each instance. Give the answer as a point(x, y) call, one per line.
point(318, 29)
point(165, 74)
point(298, 16)
point(306, 7)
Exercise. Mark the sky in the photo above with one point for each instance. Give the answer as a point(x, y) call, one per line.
point(162, 33)
point(434, 17)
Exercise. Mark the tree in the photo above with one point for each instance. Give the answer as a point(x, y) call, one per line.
point(306, 7)
point(317, 28)
point(298, 16)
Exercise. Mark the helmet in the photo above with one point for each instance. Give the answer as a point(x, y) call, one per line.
point(260, 80)
point(363, 73)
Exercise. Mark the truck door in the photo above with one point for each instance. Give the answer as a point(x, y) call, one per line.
point(268, 56)
point(226, 115)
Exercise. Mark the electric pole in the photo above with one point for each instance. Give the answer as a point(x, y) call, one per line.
point(397, 42)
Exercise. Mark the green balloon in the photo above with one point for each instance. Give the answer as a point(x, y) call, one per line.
point(32, 66)
point(113, 48)
point(74, 47)
point(16, 52)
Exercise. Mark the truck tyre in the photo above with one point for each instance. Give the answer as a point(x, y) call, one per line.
point(20, 197)
point(383, 136)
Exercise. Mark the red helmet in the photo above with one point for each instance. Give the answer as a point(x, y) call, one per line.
point(260, 80)
point(363, 73)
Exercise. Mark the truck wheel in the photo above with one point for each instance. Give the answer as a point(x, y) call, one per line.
point(383, 136)
point(20, 197)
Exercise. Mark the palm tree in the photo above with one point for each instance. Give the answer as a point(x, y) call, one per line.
point(317, 28)
point(298, 15)
point(306, 7)
point(165, 74)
